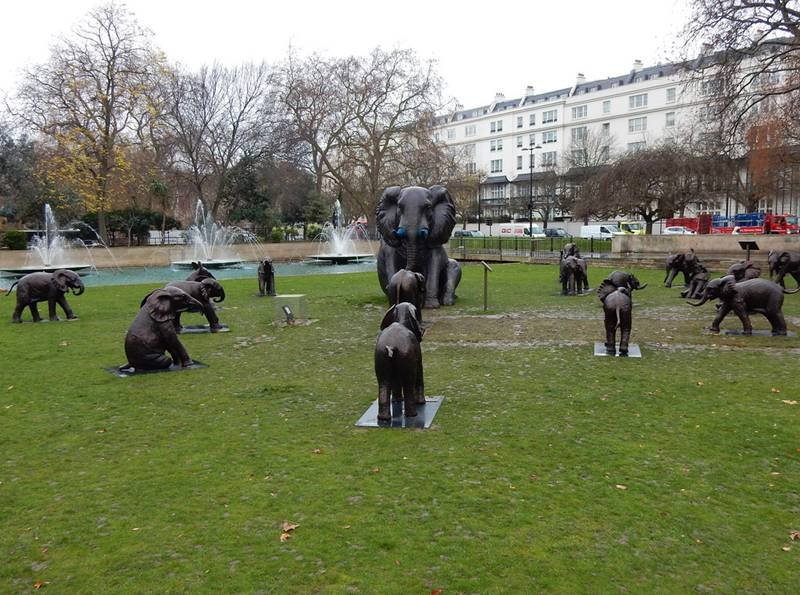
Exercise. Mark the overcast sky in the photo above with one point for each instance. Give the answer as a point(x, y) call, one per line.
point(481, 48)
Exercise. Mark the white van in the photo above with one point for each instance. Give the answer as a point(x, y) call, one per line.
point(602, 231)
point(518, 230)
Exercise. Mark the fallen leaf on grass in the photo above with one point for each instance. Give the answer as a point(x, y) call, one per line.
point(376, 469)
point(63, 344)
point(788, 402)
point(10, 387)
point(135, 529)
point(786, 548)
point(38, 585)
point(774, 390)
point(619, 486)
point(288, 527)
point(794, 535)
point(317, 451)
point(285, 537)
point(436, 592)
point(346, 526)
point(700, 383)
point(45, 550)
point(102, 431)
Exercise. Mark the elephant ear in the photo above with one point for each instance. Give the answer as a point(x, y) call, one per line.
point(159, 306)
point(59, 279)
point(420, 282)
point(145, 298)
point(728, 287)
point(606, 288)
point(390, 317)
point(444, 216)
point(204, 290)
point(387, 215)
point(412, 324)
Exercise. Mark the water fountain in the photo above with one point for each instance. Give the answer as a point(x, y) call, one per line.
point(211, 242)
point(51, 249)
point(339, 241)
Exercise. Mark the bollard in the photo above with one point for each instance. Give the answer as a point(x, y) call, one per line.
point(486, 270)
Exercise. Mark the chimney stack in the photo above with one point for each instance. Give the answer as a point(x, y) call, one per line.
point(499, 97)
point(580, 79)
point(528, 90)
point(637, 64)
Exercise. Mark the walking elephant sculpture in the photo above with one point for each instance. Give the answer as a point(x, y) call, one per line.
point(205, 292)
point(414, 223)
point(747, 297)
point(398, 361)
point(266, 277)
point(618, 314)
point(407, 286)
point(199, 273)
point(573, 275)
point(685, 263)
point(50, 287)
point(782, 263)
point(153, 332)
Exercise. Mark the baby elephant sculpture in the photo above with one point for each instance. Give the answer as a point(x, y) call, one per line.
point(266, 277)
point(570, 249)
point(52, 287)
point(407, 286)
point(685, 263)
point(618, 309)
point(747, 297)
point(398, 361)
point(414, 222)
point(199, 273)
point(697, 283)
point(153, 331)
point(204, 292)
point(573, 275)
point(621, 279)
point(782, 263)
point(744, 270)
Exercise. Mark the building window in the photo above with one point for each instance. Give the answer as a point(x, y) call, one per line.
point(607, 106)
point(496, 126)
point(710, 87)
point(519, 121)
point(670, 120)
point(451, 134)
point(496, 191)
point(638, 146)
point(496, 166)
point(549, 116)
point(472, 168)
point(549, 159)
point(519, 161)
point(579, 157)
point(671, 95)
point(532, 139)
point(436, 136)
point(496, 145)
point(549, 137)
point(579, 134)
point(605, 129)
point(531, 160)
point(470, 130)
point(637, 124)
point(469, 151)
point(604, 153)
point(519, 141)
point(637, 101)
point(532, 120)
point(579, 112)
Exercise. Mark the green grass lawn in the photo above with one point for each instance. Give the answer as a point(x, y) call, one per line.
point(547, 469)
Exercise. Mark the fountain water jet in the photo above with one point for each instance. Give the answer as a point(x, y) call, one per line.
point(339, 246)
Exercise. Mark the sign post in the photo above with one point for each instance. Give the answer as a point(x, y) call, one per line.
point(486, 270)
point(748, 245)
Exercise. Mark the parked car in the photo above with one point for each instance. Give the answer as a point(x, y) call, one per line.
point(601, 231)
point(677, 230)
point(467, 233)
point(556, 232)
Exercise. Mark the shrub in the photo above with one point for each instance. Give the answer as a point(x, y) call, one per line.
point(276, 236)
point(313, 231)
point(15, 239)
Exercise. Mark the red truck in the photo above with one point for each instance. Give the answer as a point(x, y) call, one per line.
point(743, 223)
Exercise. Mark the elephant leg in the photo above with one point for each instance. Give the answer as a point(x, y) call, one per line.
point(419, 386)
point(777, 321)
point(261, 286)
point(177, 350)
point(611, 328)
point(452, 279)
point(271, 285)
point(741, 312)
point(625, 333)
point(571, 284)
point(722, 312)
point(432, 282)
point(563, 284)
point(670, 276)
point(17, 315)
point(153, 361)
point(409, 400)
point(211, 316)
point(176, 323)
point(51, 309)
point(687, 278)
point(62, 301)
point(35, 311)
point(384, 401)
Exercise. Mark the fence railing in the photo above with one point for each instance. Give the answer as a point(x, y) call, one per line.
point(524, 247)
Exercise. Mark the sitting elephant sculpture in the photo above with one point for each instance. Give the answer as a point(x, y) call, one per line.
point(52, 287)
point(573, 275)
point(204, 292)
point(199, 273)
point(744, 270)
point(153, 331)
point(782, 263)
point(697, 283)
point(747, 297)
point(398, 361)
point(407, 286)
point(266, 277)
point(570, 249)
point(621, 279)
point(618, 310)
point(414, 222)
point(686, 263)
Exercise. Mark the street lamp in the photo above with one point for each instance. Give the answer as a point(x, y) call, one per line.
point(531, 147)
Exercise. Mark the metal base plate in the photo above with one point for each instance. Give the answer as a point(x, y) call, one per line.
point(422, 421)
point(124, 372)
point(756, 332)
point(193, 329)
point(633, 350)
point(581, 293)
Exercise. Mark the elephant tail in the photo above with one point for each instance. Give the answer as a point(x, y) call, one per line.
point(783, 288)
point(15, 282)
point(619, 322)
point(389, 352)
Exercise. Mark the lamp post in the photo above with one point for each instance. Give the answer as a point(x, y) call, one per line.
point(531, 147)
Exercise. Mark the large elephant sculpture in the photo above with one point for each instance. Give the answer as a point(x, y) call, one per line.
point(398, 361)
point(50, 287)
point(199, 273)
point(573, 275)
point(153, 332)
point(414, 223)
point(782, 263)
point(407, 286)
point(744, 270)
point(685, 263)
point(205, 292)
point(618, 314)
point(747, 297)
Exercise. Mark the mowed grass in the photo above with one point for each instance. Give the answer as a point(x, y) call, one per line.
point(547, 469)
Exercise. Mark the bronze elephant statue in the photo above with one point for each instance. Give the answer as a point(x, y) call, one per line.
point(782, 263)
point(573, 275)
point(266, 277)
point(744, 270)
point(205, 292)
point(398, 361)
point(50, 287)
point(407, 286)
point(414, 223)
point(618, 314)
point(686, 263)
point(199, 273)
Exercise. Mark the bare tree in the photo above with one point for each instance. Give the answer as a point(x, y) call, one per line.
point(84, 96)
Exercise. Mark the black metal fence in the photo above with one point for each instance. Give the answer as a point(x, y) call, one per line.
point(524, 247)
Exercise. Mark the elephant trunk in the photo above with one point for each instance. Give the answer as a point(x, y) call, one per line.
point(220, 297)
point(411, 255)
point(79, 289)
point(702, 301)
point(641, 286)
point(671, 272)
